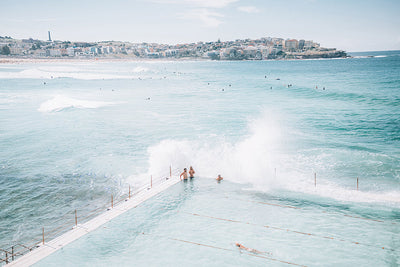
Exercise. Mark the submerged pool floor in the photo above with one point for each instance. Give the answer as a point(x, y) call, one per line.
point(197, 223)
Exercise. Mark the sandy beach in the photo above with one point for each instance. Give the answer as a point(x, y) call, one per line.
point(18, 60)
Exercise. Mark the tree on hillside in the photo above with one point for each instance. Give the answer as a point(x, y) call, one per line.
point(5, 50)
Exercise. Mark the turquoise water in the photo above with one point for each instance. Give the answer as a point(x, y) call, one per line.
point(198, 223)
point(73, 133)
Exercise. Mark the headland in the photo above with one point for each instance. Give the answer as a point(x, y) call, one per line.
point(266, 48)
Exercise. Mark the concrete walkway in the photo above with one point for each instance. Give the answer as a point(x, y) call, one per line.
point(80, 230)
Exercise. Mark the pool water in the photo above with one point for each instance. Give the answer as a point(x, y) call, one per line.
point(197, 223)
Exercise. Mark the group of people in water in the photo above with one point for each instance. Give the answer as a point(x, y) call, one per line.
point(184, 175)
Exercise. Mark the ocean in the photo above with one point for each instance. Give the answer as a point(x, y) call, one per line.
point(301, 133)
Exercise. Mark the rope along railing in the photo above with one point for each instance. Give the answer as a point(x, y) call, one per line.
point(72, 219)
point(264, 256)
point(298, 208)
point(289, 230)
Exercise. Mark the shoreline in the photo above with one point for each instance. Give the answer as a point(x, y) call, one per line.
point(24, 60)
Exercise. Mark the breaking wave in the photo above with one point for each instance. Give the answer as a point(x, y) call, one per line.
point(60, 102)
point(253, 160)
point(63, 72)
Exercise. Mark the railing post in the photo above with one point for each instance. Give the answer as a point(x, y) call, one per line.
point(170, 171)
point(112, 201)
point(76, 219)
point(12, 252)
point(315, 179)
point(357, 183)
point(129, 191)
point(6, 258)
point(43, 235)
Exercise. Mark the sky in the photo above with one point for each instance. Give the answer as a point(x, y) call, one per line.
point(352, 25)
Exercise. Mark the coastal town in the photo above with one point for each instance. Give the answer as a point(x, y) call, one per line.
point(248, 49)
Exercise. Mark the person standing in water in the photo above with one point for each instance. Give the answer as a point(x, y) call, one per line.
point(191, 172)
point(184, 174)
point(219, 178)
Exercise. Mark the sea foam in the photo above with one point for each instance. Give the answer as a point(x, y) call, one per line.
point(140, 69)
point(60, 102)
point(250, 160)
point(253, 160)
point(63, 72)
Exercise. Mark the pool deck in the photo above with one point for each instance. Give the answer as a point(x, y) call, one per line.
point(80, 230)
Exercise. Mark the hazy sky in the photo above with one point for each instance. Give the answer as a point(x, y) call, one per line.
point(345, 24)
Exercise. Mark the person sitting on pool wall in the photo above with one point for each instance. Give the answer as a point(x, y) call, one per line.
point(219, 178)
point(184, 174)
point(191, 172)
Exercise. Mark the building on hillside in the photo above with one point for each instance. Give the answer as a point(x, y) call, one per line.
point(53, 53)
point(301, 44)
point(291, 44)
point(308, 45)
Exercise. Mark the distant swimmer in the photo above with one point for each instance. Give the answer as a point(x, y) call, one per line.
point(184, 174)
point(219, 178)
point(191, 172)
point(252, 250)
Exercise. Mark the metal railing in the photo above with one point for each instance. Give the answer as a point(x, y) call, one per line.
point(72, 219)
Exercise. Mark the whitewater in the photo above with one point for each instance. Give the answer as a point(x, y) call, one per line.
point(72, 134)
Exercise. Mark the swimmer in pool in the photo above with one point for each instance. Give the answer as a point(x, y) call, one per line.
point(184, 174)
point(252, 250)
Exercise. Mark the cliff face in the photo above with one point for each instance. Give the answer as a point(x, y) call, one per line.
point(335, 54)
point(259, 54)
point(308, 55)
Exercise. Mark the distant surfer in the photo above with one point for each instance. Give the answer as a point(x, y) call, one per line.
point(184, 174)
point(191, 172)
point(219, 178)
